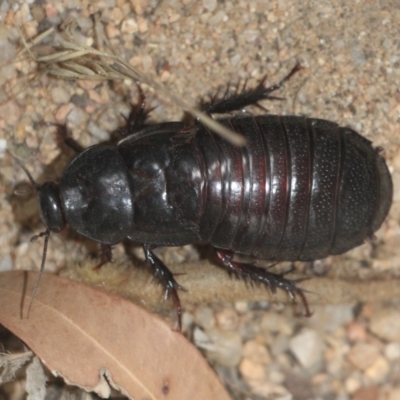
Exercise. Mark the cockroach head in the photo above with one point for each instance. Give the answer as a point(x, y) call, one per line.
point(50, 206)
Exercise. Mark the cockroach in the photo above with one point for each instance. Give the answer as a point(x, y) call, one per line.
point(300, 189)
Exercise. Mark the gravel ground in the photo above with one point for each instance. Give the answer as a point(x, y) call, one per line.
point(350, 52)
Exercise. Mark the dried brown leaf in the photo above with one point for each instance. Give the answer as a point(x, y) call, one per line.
point(92, 338)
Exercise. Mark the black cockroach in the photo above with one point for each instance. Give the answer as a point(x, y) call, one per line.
point(301, 189)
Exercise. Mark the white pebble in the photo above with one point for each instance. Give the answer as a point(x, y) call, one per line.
point(392, 351)
point(3, 147)
point(210, 5)
point(227, 347)
point(307, 347)
point(60, 95)
point(100, 134)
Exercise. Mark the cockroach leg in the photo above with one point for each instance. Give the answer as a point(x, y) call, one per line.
point(64, 137)
point(165, 277)
point(106, 255)
point(253, 274)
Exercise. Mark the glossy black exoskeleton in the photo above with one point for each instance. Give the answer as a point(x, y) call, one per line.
point(301, 189)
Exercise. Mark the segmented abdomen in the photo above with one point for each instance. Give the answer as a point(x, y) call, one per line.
point(300, 189)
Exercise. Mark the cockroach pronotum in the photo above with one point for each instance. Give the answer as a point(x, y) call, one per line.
point(300, 189)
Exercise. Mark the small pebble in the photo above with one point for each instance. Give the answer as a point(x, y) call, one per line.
point(116, 15)
point(227, 319)
point(356, 332)
point(77, 116)
point(394, 394)
point(276, 377)
point(352, 383)
point(143, 25)
point(276, 323)
point(3, 147)
point(12, 110)
point(378, 371)
point(62, 112)
point(256, 352)
point(280, 344)
point(386, 325)
point(209, 5)
point(129, 26)
point(331, 317)
point(105, 4)
point(100, 97)
point(307, 346)
point(242, 307)
point(204, 316)
point(6, 264)
point(112, 31)
point(392, 351)
point(8, 49)
point(366, 393)
point(252, 370)
point(51, 10)
point(139, 6)
point(225, 348)
point(187, 321)
point(60, 95)
point(100, 134)
point(362, 355)
point(84, 23)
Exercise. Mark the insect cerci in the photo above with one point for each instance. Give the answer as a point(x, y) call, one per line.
point(300, 189)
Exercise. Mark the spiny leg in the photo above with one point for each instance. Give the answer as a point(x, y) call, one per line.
point(106, 255)
point(65, 137)
point(246, 97)
point(253, 274)
point(164, 276)
point(137, 116)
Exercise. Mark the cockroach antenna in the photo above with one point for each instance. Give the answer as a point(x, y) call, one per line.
point(19, 162)
point(46, 233)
